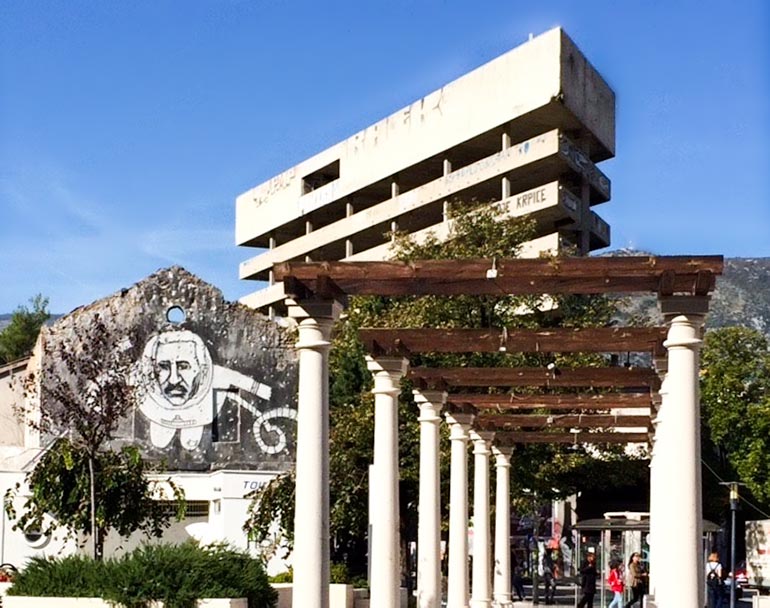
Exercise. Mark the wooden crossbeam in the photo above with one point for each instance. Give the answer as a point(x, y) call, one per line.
point(604, 401)
point(572, 275)
point(562, 340)
point(582, 421)
point(598, 377)
point(509, 438)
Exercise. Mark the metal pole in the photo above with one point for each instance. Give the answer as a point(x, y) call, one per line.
point(733, 486)
point(733, 510)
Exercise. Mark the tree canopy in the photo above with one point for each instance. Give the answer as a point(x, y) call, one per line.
point(735, 397)
point(18, 338)
point(476, 231)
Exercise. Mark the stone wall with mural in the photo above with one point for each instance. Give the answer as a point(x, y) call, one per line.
point(219, 380)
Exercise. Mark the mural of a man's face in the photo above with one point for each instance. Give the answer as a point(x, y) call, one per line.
point(177, 370)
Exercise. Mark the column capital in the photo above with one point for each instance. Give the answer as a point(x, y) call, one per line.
point(387, 373)
point(392, 366)
point(481, 441)
point(502, 455)
point(689, 306)
point(316, 309)
point(459, 424)
point(459, 419)
point(430, 404)
point(429, 397)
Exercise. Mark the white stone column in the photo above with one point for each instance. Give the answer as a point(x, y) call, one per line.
point(481, 592)
point(457, 587)
point(429, 509)
point(385, 580)
point(657, 487)
point(311, 522)
point(682, 586)
point(502, 573)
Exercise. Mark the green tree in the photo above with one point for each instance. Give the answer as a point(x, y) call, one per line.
point(477, 231)
point(85, 388)
point(735, 397)
point(18, 338)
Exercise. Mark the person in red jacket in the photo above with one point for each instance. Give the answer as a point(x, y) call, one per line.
point(615, 581)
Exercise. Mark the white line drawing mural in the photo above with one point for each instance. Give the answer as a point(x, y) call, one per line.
point(179, 381)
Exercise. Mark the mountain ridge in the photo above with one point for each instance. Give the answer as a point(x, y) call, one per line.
point(741, 297)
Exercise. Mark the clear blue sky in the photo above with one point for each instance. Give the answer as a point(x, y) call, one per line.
point(127, 129)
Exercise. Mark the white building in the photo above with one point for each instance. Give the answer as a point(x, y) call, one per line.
point(524, 129)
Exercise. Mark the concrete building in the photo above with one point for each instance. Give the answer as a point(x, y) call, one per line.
point(525, 129)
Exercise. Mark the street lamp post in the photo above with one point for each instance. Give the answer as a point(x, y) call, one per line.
point(733, 485)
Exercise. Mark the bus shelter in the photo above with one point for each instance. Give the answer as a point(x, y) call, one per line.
point(616, 537)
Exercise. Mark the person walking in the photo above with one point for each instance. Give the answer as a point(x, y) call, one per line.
point(518, 579)
point(636, 578)
point(588, 581)
point(715, 585)
point(615, 582)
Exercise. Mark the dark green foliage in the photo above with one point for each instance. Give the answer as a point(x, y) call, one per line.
point(178, 575)
point(735, 396)
point(84, 390)
point(71, 576)
point(477, 232)
point(60, 485)
point(18, 338)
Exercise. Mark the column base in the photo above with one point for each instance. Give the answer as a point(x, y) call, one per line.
point(481, 604)
point(502, 604)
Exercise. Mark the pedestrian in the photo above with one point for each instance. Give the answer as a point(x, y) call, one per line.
point(588, 581)
point(636, 578)
point(549, 568)
point(518, 579)
point(615, 582)
point(715, 585)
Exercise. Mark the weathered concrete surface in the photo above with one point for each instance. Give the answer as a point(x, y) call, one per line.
point(218, 388)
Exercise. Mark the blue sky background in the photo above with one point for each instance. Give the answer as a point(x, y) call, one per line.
point(127, 129)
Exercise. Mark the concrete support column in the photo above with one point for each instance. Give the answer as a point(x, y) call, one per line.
point(311, 525)
point(481, 592)
point(506, 181)
point(682, 586)
point(657, 488)
point(502, 572)
point(349, 211)
point(385, 559)
point(457, 592)
point(429, 509)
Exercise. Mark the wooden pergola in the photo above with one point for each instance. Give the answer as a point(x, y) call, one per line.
point(316, 292)
point(530, 428)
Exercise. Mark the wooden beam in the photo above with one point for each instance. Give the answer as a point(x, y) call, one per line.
point(604, 401)
point(579, 275)
point(563, 340)
point(599, 377)
point(509, 438)
point(582, 421)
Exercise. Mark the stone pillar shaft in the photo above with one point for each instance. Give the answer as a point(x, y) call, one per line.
point(457, 591)
point(682, 586)
point(311, 523)
point(385, 580)
point(429, 510)
point(481, 593)
point(502, 571)
point(657, 486)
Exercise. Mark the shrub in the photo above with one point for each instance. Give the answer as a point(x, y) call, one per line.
point(338, 573)
point(283, 577)
point(71, 576)
point(178, 575)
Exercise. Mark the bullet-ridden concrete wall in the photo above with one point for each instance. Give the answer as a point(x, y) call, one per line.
point(217, 380)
